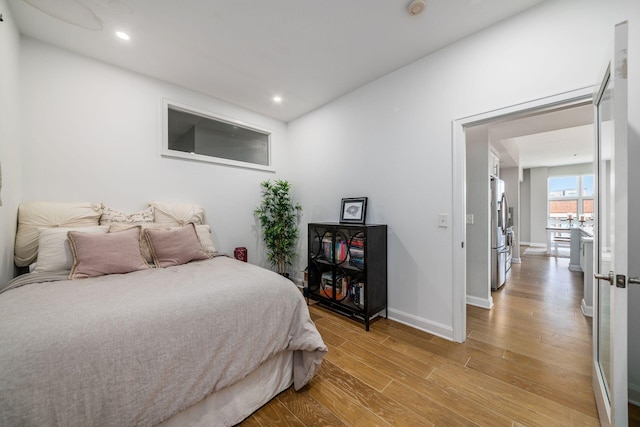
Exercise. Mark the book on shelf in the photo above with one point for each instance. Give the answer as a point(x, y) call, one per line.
point(337, 252)
point(327, 247)
point(357, 262)
point(356, 253)
point(341, 251)
point(357, 293)
point(356, 242)
point(342, 285)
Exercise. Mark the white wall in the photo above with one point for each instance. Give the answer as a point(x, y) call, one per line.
point(92, 132)
point(391, 140)
point(10, 148)
point(525, 208)
point(478, 234)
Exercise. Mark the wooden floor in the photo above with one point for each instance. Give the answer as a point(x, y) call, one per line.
point(526, 362)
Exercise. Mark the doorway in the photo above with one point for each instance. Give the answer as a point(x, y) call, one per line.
point(503, 122)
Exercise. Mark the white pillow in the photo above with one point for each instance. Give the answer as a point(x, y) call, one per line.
point(204, 235)
point(54, 253)
point(177, 213)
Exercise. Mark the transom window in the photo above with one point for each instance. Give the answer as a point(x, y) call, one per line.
point(198, 135)
point(570, 198)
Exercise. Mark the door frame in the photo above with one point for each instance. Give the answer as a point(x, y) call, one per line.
point(459, 167)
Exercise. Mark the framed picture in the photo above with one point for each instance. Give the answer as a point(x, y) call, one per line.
point(353, 210)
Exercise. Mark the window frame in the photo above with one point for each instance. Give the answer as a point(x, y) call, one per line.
point(182, 155)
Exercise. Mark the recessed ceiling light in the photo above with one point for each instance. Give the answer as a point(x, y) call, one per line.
point(122, 35)
point(277, 99)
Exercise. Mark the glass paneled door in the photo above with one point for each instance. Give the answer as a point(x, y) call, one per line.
point(610, 304)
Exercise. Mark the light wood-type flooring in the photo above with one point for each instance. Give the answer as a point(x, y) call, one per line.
point(526, 362)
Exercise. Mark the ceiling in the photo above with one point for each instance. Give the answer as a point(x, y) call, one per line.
point(556, 137)
point(247, 52)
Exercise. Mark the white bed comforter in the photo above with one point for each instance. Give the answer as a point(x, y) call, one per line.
point(135, 349)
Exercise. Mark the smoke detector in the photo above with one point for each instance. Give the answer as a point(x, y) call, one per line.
point(416, 7)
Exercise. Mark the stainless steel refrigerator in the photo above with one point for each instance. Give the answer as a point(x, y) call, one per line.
point(499, 226)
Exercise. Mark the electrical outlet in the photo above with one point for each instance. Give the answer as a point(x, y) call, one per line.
point(443, 220)
point(470, 218)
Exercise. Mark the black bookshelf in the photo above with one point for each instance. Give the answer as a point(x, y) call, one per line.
point(348, 269)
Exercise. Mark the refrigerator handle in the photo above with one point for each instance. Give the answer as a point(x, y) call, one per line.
point(504, 212)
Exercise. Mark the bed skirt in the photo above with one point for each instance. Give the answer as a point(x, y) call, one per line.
point(233, 404)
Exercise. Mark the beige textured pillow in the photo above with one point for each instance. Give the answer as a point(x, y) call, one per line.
point(177, 213)
point(54, 252)
point(177, 246)
point(204, 235)
point(111, 253)
point(144, 243)
point(110, 216)
point(34, 215)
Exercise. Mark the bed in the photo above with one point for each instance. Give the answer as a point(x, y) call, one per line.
point(204, 342)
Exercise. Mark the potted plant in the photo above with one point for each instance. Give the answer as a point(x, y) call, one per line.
point(278, 214)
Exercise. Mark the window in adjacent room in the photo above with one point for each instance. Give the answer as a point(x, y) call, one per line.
point(197, 135)
point(570, 197)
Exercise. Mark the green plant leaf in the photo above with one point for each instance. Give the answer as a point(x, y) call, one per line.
point(277, 215)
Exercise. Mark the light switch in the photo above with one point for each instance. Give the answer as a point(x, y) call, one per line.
point(443, 220)
point(469, 218)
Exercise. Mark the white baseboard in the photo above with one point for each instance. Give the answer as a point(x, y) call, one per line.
point(634, 394)
point(538, 245)
point(480, 302)
point(516, 261)
point(535, 245)
point(425, 325)
point(587, 310)
point(575, 267)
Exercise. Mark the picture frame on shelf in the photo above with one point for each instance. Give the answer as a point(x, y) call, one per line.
point(353, 210)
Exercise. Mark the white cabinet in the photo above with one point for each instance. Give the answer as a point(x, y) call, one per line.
point(582, 260)
point(494, 164)
point(586, 262)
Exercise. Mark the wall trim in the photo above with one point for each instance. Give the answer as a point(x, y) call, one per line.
point(425, 325)
point(587, 310)
point(480, 302)
point(575, 267)
point(538, 245)
point(516, 261)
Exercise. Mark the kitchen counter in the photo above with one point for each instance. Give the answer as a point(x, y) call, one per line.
point(578, 233)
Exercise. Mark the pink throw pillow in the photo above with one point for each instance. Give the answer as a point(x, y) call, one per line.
point(177, 246)
point(111, 253)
